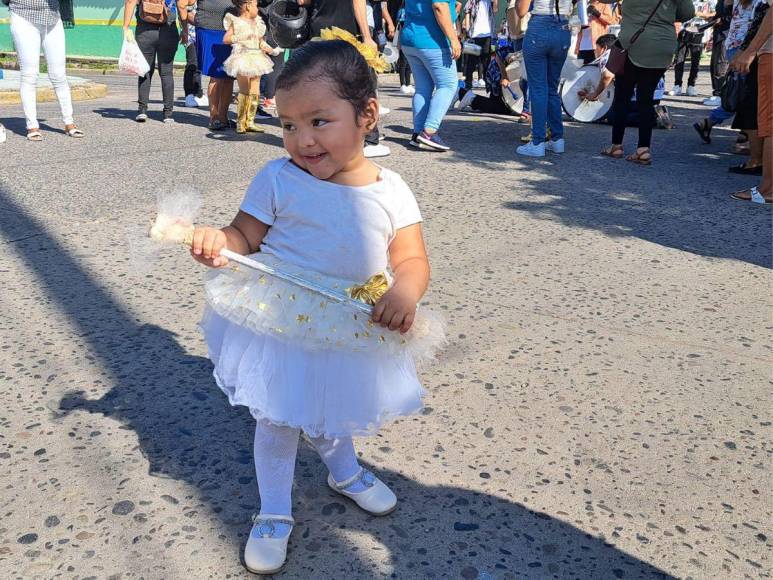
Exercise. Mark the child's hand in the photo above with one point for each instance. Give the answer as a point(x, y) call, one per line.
point(396, 309)
point(206, 246)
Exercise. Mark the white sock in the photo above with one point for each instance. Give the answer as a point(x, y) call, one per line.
point(275, 451)
point(339, 457)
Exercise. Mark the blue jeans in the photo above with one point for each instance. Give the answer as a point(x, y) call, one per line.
point(544, 51)
point(434, 72)
point(719, 115)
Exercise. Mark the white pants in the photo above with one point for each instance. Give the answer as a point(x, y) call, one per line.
point(28, 37)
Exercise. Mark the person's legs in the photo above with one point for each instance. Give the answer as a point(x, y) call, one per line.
point(485, 55)
point(719, 60)
point(647, 81)
point(191, 76)
point(269, 89)
point(54, 49)
point(275, 450)
point(755, 149)
point(424, 87)
point(624, 85)
point(147, 37)
point(226, 86)
point(213, 96)
point(404, 70)
point(27, 39)
point(696, 52)
point(168, 40)
point(679, 73)
point(492, 105)
point(470, 63)
point(560, 40)
point(339, 456)
point(536, 60)
point(443, 71)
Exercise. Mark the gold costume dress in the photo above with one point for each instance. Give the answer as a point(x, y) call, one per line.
point(247, 57)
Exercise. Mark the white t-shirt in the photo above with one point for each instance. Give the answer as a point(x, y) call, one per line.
point(333, 229)
point(481, 28)
point(586, 42)
point(739, 25)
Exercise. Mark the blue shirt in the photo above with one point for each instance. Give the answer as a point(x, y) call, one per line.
point(421, 29)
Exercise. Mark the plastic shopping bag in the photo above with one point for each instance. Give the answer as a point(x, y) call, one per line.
point(132, 60)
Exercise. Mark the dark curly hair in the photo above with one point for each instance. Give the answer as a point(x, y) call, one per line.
point(333, 61)
point(238, 4)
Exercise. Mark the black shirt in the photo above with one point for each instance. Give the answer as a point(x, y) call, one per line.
point(327, 13)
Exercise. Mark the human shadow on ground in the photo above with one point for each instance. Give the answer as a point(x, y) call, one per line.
point(187, 432)
point(687, 207)
point(182, 117)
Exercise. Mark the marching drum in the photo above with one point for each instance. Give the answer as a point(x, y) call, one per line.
point(587, 79)
point(512, 94)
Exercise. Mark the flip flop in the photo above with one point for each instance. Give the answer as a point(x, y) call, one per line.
point(639, 158)
point(754, 196)
point(613, 151)
point(74, 132)
point(34, 135)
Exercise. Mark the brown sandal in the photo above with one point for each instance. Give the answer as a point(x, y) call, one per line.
point(613, 151)
point(643, 158)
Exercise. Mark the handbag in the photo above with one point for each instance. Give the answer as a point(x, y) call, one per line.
point(618, 55)
point(733, 91)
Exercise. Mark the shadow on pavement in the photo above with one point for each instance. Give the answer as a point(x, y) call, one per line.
point(187, 432)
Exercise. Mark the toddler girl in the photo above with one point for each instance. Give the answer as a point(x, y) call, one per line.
point(328, 213)
point(248, 60)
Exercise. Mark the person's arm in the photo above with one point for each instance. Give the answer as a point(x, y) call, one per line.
point(605, 80)
point(503, 70)
point(685, 10)
point(182, 15)
point(522, 8)
point(408, 260)
point(361, 16)
point(390, 24)
point(129, 6)
point(243, 236)
point(442, 12)
point(742, 61)
point(228, 38)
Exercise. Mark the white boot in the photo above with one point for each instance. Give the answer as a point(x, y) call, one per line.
point(377, 499)
point(266, 549)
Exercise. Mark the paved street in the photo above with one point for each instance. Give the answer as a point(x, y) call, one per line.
point(603, 409)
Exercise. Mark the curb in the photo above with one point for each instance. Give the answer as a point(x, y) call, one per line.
point(82, 92)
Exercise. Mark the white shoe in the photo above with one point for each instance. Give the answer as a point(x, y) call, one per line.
point(480, 83)
point(3, 135)
point(712, 101)
point(376, 151)
point(466, 100)
point(383, 110)
point(691, 92)
point(266, 549)
point(202, 101)
point(190, 101)
point(557, 146)
point(532, 150)
point(405, 89)
point(676, 91)
point(377, 499)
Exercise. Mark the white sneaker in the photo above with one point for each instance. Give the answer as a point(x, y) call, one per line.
point(712, 101)
point(691, 92)
point(411, 90)
point(405, 89)
point(377, 499)
point(190, 101)
point(557, 146)
point(202, 101)
point(383, 110)
point(480, 83)
point(466, 100)
point(266, 549)
point(376, 151)
point(532, 150)
point(3, 135)
point(676, 91)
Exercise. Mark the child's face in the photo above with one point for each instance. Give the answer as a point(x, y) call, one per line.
point(250, 9)
point(321, 132)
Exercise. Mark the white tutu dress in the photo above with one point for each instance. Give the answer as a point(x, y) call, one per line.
point(247, 57)
point(284, 353)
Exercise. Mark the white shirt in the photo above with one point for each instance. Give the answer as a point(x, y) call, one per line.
point(548, 7)
point(333, 229)
point(481, 28)
point(739, 25)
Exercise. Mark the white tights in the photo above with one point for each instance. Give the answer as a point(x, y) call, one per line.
point(275, 451)
point(28, 38)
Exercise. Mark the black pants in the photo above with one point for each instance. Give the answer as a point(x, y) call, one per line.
point(192, 75)
point(268, 82)
point(644, 80)
point(158, 43)
point(587, 56)
point(404, 70)
point(718, 62)
point(694, 51)
point(492, 105)
point(480, 63)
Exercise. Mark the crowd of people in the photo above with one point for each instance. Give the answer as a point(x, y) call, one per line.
point(448, 51)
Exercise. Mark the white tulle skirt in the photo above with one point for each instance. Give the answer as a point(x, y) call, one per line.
point(329, 393)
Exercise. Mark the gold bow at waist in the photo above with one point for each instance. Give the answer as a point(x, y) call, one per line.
point(372, 291)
